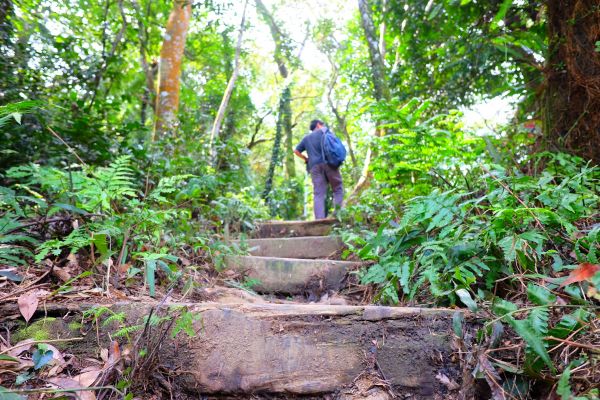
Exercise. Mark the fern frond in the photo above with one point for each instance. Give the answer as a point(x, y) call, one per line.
point(116, 317)
point(126, 331)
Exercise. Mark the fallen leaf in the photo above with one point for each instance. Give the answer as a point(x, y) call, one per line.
point(450, 384)
point(28, 303)
point(104, 354)
point(20, 347)
point(584, 272)
point(114, 354)
point(72, 261)
point(61, 274)
point(58, 361)
point(87, 379)
point(67, 383)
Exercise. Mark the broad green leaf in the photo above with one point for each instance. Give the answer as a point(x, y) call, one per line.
point(466, 299)
point(457, 324)
point(4, 357)
point(150, 276)
point(41, 357)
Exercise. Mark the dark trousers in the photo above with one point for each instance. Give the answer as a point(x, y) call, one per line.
point(323, 175)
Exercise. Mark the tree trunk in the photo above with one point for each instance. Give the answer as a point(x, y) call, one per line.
point(276, 153)
point(149, 69)
point(6, 13)
point(571, 101)
point(380, 90)
point(169, 69)
point(214, 134)
point(284, 119)
point(278, 38)
point(290, 162)
point(380, 86)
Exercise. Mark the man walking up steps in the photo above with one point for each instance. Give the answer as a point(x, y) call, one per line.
point(321, 172)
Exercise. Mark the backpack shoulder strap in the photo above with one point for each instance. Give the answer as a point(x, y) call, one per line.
point(323, 144)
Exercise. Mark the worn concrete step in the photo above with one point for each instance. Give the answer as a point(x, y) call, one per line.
point(295, 247)
point(274, 229)
point(311, 349)
point(291, 275)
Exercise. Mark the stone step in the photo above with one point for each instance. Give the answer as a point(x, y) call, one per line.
point(312, 349)
point(274, 229)
point(291, 275)
point(295, 247)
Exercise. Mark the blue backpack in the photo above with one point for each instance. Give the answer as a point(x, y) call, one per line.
point(334, 151)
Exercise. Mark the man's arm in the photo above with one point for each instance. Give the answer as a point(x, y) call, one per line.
point(302, 156)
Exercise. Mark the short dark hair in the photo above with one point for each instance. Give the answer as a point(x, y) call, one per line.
point(314, 123)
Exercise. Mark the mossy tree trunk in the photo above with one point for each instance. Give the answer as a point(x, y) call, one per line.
point(276, 152)
point(571, 100)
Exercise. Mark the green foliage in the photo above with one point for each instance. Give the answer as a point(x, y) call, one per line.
point(463, 245)
point(15, 111)
point(185, 322)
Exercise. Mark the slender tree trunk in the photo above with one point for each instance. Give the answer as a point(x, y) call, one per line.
point(290, 161)
point(278, 38)
point(382, 31)
point(149, 69)
point(284, 124)
point(276, 152)
point(169, 67)
point(342, 126)
point(6, 13)
point(571, 102)
point(106, 57)
point(214, 134)
point(380, 89)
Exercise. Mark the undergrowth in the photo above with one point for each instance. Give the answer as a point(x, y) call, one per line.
point(504, 247)
point(121, 228)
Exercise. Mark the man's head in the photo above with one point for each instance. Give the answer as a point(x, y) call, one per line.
point(316, 124)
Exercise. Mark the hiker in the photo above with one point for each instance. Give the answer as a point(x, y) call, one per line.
point(321, 172)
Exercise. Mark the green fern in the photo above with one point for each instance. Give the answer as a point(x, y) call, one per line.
point(75, 241)
point(128, 330)
point(115, 317)
point(13, 249)
point(16, 110)
point(167, 185)
point(109, 185)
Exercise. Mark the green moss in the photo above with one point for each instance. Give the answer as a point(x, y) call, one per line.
point(74, 326)
point(38, 330)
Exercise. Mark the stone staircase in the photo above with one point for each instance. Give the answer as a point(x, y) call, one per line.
point(308, 349)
